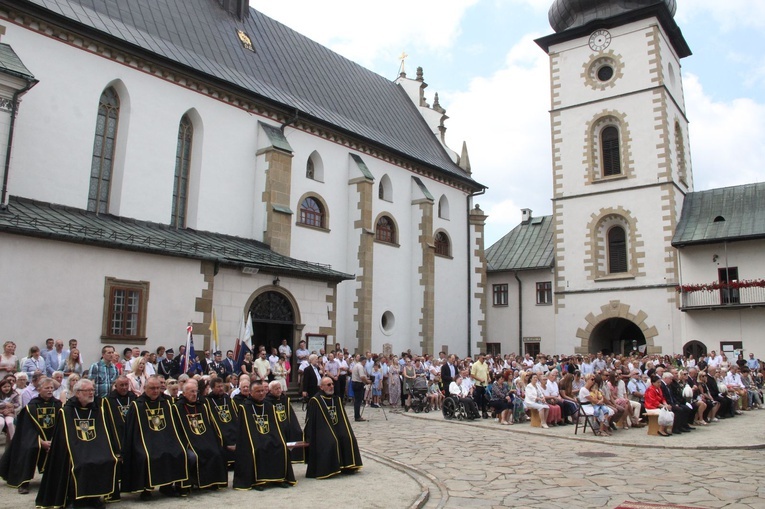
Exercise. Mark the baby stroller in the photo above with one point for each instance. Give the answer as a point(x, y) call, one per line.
point(418, 393)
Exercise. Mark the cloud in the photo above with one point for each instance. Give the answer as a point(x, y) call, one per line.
point(726, 138)
point(727, 15)
point(367, 31)
point(504, 120)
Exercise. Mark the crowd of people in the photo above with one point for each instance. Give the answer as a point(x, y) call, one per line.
point(139, 416)
point(136, 424)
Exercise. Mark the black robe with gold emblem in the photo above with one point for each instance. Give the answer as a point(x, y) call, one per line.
point(152, 453)
point(332, 444)
point(289, 423)
point(82, 462)
point(35, 423)
point(261, 450)
point(115, 409)
point(225, 418)
point(201, 439)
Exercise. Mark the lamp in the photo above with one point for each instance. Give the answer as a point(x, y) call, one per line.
point(276, 281)
point(715, 258)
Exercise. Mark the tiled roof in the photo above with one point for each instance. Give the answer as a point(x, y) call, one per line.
point(527, 246)
point(285, 67)
point(11, 63)
point(57, 222)
point(724, 214)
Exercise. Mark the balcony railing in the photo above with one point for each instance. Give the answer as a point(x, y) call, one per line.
point(723, 298)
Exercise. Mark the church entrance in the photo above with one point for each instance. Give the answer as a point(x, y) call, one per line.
point(616, 335)
point(273, 319)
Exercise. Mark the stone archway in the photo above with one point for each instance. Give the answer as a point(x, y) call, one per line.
point(616, 309)
point(616, 335)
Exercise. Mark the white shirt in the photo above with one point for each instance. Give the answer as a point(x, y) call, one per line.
point(714, 362)
point(551, 391)
point(734, 379)
point(286, 350)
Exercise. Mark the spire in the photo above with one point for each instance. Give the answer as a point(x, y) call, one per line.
point(565, 14)
point(464, 159)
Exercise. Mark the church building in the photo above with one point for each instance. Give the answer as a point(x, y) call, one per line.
point(170, 160)
point(622, 262)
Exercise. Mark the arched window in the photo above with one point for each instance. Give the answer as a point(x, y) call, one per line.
point(443, 246)
point(314, 167)
point(617, 250)
point(102, 163)
point(312, 213)
point(182, 166)
point(443, 208)
point(609, 142)
point(385, 190)
point(385, 230)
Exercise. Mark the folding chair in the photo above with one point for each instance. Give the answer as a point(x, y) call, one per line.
point(588, 420)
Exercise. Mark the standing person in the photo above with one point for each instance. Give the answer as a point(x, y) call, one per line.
point(8, 360)
point(104, 372)
point(56, 357)
point(479, 372)
point(261, 368)
point(376, 385)
point(284, 349)
point(394, 383)
point(332, 446)
point(202, 439)
point(82, 463)
point(281, 372)
point(229, 363)
point(448, 372)
point(137, 376)
point(169, 367)
point(149, 426)
point(261, 449)
point(31, 443)
point(287, 419)
point(72, 363)
point(311, 377)
point(224, 416)
point(358, 381)
point(35, 362)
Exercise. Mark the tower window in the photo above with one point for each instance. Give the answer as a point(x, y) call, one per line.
point(311, 213)
point(617, 250)
point(609, 142)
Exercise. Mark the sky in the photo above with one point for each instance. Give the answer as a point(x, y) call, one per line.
point(493, 81)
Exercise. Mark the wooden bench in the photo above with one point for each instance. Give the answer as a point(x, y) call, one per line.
point(653, 421)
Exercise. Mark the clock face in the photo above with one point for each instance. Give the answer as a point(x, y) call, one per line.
point(599, 40)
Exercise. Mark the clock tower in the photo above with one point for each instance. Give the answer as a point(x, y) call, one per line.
point(621, 169)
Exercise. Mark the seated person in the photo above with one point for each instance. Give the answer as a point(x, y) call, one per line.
point(434, 395)
point(458, 389)
point(502, 400)
point(654, 400)
point(593, 404)
point(535, 400)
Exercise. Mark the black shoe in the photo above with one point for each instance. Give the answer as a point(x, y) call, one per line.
point(97, 504)
point(691, 427)
point(145, 495)
point(687, 429)
point(24, 488)
point(259, 487)
point(485, 415)
point(360, 419)
point(285, 485)
point(169, 491)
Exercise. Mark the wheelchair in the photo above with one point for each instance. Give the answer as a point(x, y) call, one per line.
point(454, 409)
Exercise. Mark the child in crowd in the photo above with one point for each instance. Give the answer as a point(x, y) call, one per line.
point(376, 385)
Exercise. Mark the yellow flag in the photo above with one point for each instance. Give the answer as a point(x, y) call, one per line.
point(214, 333)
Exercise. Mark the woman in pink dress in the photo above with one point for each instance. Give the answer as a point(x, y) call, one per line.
point(394, 383)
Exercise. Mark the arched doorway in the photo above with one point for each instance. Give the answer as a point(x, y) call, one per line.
point(695, 348)
point(616, 335)
point(273, 319)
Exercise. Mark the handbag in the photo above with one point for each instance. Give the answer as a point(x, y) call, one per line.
point(688, 392)
point(666, 418)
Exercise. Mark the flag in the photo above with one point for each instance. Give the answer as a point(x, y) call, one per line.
point(243, 349)
point(215, 344)
point(189, 359)
point(243, 342)
point(248, 332)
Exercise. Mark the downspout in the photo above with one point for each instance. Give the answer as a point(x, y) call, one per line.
point(469, 274)
point(520, 313)
point(7, 170)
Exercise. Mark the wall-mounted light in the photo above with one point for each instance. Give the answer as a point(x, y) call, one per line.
point(276, 281)
point(715, 258)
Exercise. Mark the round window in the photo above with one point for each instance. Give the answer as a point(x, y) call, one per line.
point(605, 73)
point(387, 322)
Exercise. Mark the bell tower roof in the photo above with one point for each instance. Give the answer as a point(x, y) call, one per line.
point(565, 14)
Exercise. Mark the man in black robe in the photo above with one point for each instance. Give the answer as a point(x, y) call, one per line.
point(32, 439)
point(224, 416)
point(332, 446)
point(82, 463)
point(287, 419)
point(204, 446)
point(150, 427)
point(116, 406)
point(261, 450)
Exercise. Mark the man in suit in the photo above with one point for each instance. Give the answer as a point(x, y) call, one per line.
point(229, 363)
point(216, 366)
point(683, 414)
point(448, 372)
point(55, 357)
point(311, 377)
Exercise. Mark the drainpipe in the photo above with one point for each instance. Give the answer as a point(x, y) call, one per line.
point(520, 313)
point(14, 110)
point(469, 199)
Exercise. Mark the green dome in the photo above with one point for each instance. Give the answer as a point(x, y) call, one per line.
point(565, 14)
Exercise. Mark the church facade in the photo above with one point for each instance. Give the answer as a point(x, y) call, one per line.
point(610, 272)
point(168, 160)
